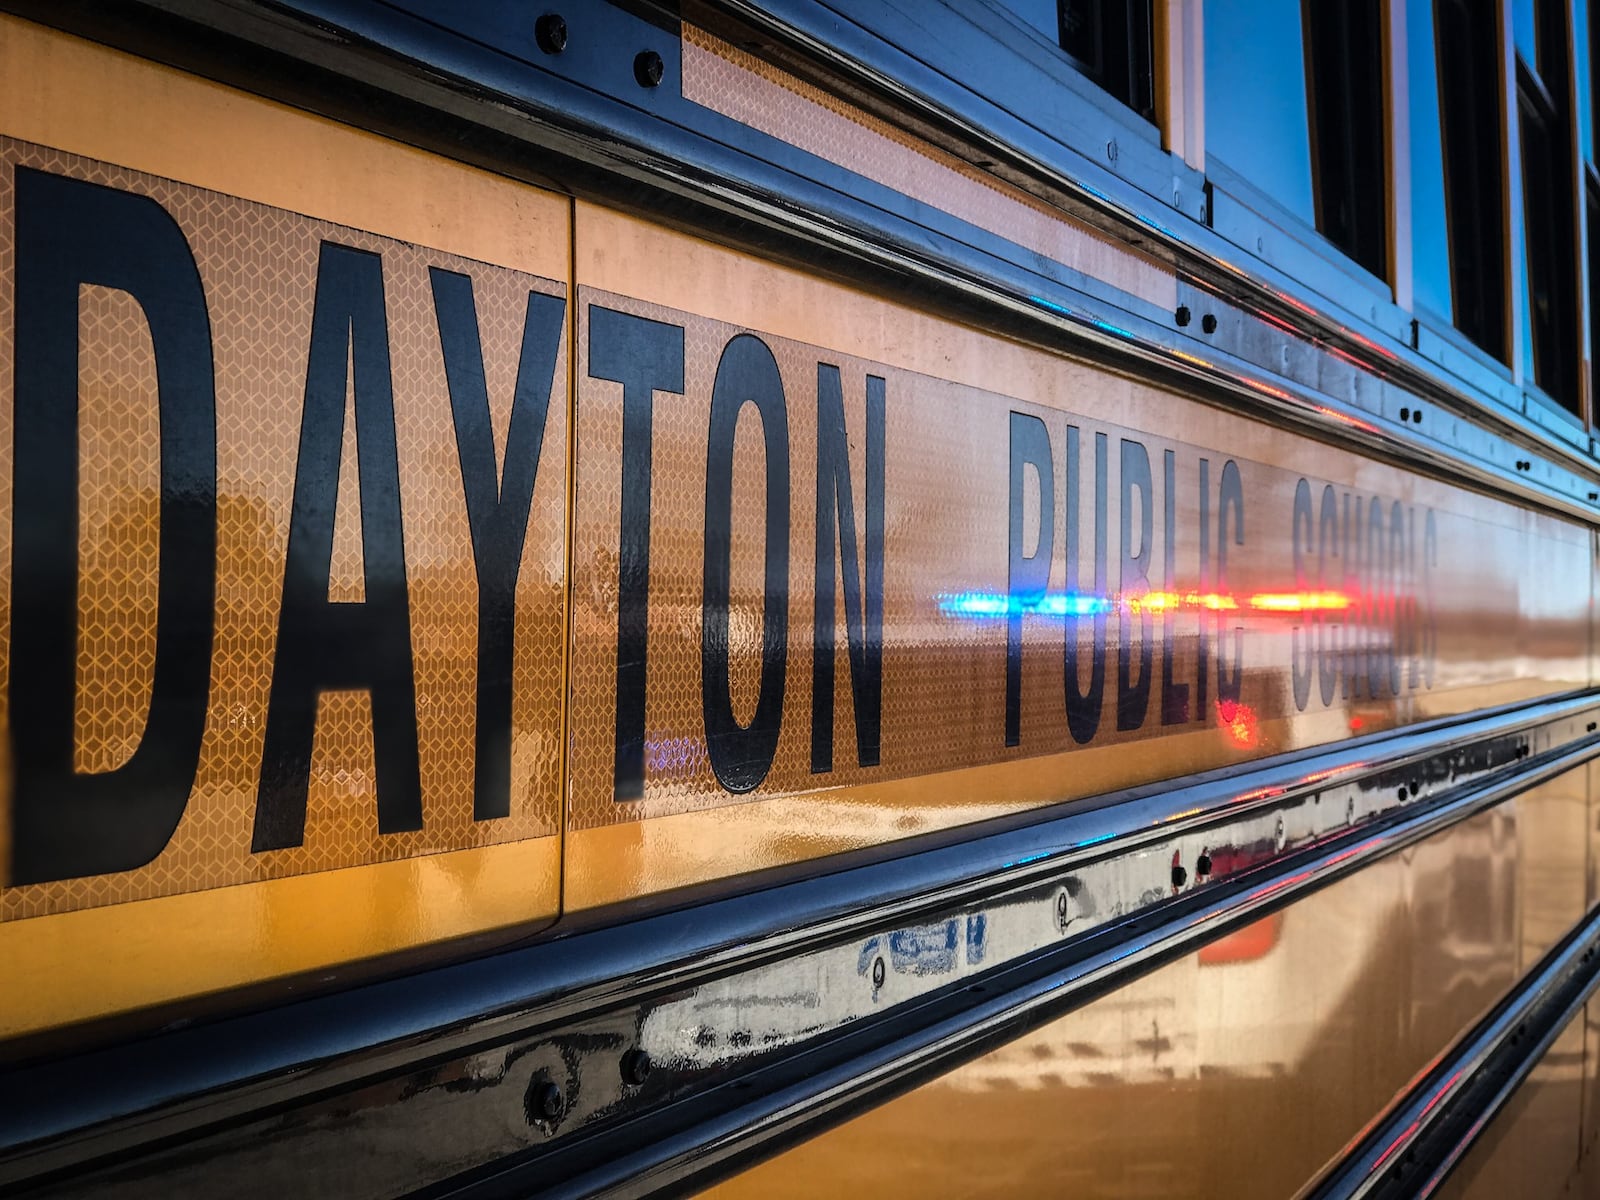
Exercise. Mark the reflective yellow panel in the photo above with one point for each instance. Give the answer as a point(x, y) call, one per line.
point(282, 539)
point(1531, 1147)
point(844, 572)
point(1239, 1071)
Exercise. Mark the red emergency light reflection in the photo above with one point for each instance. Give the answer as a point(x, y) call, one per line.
point(1087, 604)
point(1267, 602)
point(1238, 720)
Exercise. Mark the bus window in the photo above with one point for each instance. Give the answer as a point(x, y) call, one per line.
point(1469, 105)
point(1430, 239)
point(1110, 42)
point(1345, 64)
point(1549, 293)
point(1255, 81)
point(1586, 34)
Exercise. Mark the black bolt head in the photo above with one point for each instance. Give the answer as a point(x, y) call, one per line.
point(636, 1066)
point(648, 68)
point(545, 1101)
point(550, 31)
point(1182, 315)
point(1179, 877)
point(1209, 323)
point(1202, 865)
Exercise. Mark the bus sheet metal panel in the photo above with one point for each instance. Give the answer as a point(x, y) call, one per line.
point(1049, 566)
point(292, 678)
point(180, 340)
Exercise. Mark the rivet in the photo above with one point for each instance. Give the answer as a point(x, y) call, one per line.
point(1416, 416)
point(1208, 323)
point(1405, 414)
point(544, 1101)
point(1202, 865)
point(1183, 316)
point(879, 972)
point(1179, 876)
point(648, 68)
point(636, 1066)
point(550, 31)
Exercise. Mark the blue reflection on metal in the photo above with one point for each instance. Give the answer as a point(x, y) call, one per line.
point(1026, 859)
point(1094, 841)
point(925, 949)
point(1051, 604)
point(1095, 321)
point(977, 937)
point(1110, 328)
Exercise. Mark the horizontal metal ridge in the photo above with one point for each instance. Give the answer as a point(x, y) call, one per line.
point(619, 152)
point(1426, 1133)
point(1070, 902)
point(796, 27)
point(815, 1091)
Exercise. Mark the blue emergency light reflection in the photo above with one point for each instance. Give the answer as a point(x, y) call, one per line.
point(1052, 604)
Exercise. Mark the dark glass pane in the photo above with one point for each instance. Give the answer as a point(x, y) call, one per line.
point(1111, 43)
point(1430, 242)
point(1474, 172)
point(1547, 183)
point(1040, 14)
point(1344, 56)
point(1594, 287)
point(1255, 80)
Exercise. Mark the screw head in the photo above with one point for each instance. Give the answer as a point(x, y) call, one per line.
point(879, 972)
point(636, 1066)
point(1182, 316)
point(648, 68)
point(545, 1101)
point(550, 31)
point(1209, 323)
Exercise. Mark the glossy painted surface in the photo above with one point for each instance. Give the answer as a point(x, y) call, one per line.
point(1240, 1070)
point(216, 907)
point(1239, 605)
point(777, 1006)
point(1239, 590)
point(1531, 1148)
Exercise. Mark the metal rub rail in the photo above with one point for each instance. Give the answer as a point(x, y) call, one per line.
point(655, 1055)
point(1426, 1134)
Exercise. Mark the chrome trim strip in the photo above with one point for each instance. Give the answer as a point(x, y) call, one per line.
point(856, 1003)
point(1203, 262)
point(1425, 1135)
